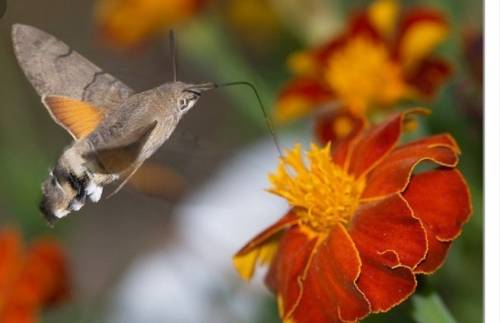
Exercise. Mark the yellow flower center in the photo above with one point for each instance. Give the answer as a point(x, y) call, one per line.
point(323, 193)
point(362, 74)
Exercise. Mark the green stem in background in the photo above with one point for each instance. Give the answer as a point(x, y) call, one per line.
point(430, 309)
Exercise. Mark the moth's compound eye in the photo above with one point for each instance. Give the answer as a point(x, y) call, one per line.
point(183, 104)
point(187, 103)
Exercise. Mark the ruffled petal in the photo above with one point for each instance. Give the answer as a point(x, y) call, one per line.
point(378, 141)
point(441, 199)
point(329, 290)
point(393, 173)
point(290, 266)
point(436, 254)
point(299, 97)
point(386, 231)
point(421, 32)
point(259, 248)
point(450, 211)
point(390, 242)
point(383, 286)
point(427, 76)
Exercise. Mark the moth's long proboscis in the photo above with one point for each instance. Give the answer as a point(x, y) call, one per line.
point(269, 122)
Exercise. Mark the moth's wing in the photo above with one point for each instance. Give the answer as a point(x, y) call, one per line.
point(120, 155)
point(53, 68)
point(159, 181)
point(77, 117)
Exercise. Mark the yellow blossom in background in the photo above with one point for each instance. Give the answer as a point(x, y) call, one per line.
point(128, 23)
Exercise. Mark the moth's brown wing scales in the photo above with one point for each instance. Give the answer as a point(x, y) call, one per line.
point(77, 117)
point(53, 68)
point(119, 157)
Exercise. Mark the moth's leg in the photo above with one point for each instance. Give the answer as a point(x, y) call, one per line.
point(94, 191)
point(80, 185)
point(97, 181)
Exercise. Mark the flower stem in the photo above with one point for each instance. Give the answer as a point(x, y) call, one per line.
point(430, 309)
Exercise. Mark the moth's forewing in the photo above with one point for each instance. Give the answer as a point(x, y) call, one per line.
point(53, 68)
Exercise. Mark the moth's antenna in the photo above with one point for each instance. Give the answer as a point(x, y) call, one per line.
point(173, 54)
point(269, 122)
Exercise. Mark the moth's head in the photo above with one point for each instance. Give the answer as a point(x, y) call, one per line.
point(188, 94)
point(58, 197)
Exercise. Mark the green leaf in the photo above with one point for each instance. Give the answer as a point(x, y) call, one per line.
point(430, 309)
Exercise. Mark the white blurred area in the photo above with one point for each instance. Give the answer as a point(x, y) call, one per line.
point(195, 281)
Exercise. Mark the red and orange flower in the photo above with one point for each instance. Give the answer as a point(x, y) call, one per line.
point(376, 62)
point(363, 223)
point(30, 280)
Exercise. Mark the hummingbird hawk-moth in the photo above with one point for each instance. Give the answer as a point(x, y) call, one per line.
point(114, 128)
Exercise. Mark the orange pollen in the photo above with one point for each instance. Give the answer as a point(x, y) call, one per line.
point(363, 74)
point(323, 193)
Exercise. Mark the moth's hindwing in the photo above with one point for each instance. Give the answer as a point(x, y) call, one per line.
point(77, 117)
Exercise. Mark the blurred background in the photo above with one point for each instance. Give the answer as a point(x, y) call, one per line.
point(162, 252)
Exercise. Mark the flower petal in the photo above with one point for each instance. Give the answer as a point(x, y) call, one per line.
point(290, 266)
point(359, 26)
point(46, 273)
point(299, 97)
point(378, 141)
point(442, 217)
point(329, 290)
point(303, 63)
point(340, 124)
point(428, 75)
point(393, 173)
point(257, 250)
point(436, 254)
point(390, 241)
point(383, 14)
point(421, 31)
point(128, 24)
point(386, 231)
point(374, 144)
point(383, 286)
point(10, 259)
point(447, 214)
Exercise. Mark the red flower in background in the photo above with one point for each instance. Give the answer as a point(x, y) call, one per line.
point(376, 62)
point(363, 223)
point(30, 279)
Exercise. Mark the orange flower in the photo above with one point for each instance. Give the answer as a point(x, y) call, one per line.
point(29, 280)
point(128, 23)
point(363, 223)
point(378, 61)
